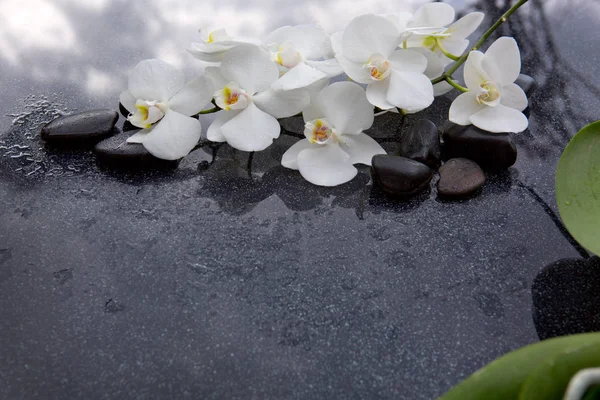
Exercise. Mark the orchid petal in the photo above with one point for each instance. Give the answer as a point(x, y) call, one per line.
point(251, 130)
point(193, 97)
point(514, 97)
point(473, 73)
point(330, 67)
point(139, 136)
point(173, 137)
point(361, 148)
point(367, 35)
point(408, 60)
point(504, 56)
point(214, 133)
point(155, 80)
point(433, 15)
point(500, 119)
point(465, 26)
point(290, 157)
point(309, 40)
point(435, 67)
point(346, 107)
point(282, 104)
point(356, 71)
point(463, 107)
point(128, 101)
point(377, 94)
point(298, 77)
point(410, 90)
point(336, 42)
point(441, 88)
point(249, 66)
point(327, 165)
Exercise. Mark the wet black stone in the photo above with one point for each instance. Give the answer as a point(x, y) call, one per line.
point(83, 126)
point(460, 177)
point(565, 298)
point(421, 142)
point(116, 151)
point(492, 151)
point(527, 83)
point(400, 176)
point(124, 112)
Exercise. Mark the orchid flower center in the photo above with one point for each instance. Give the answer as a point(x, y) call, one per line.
point(378, 66)
point(489, 94)
point(319, 131)
point(232, 97)
point(147, 113)
point(218, 35)
point(287, 55)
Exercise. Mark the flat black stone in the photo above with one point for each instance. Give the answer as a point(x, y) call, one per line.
point(117, 152)
point(566, 299)
point(460, 177)
point(421, 142)
point(400, 176)
point(527, 83)
point(83, 126)
point(492, 151)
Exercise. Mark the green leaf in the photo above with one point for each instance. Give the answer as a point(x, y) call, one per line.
point(578, 187)
point(502, 379)
point(550, 379)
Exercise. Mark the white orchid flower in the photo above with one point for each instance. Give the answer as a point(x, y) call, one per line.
point(334, 136)
point(251, 107)
point(432, 29)
point(395, 78)
point(303, 55)
point(161, 103)
point(214, 45)
point(494, 102)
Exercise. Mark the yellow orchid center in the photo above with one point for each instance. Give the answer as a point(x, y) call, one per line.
point(231, 97)
point(148, 113)
point(489, 94)
point(319, 131)
point(287, 55)
point(378, 66)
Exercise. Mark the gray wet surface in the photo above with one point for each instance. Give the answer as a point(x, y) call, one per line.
point(231, 277)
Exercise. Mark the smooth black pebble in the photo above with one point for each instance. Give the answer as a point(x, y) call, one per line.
point(492, 151)
point(421, 142)
point(400, 176)
point(527, 83)
point(565, 298)
point(80, 127)
point(116, 151)
point(459, 178)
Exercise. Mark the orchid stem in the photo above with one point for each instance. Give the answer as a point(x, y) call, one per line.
point(209, 111)
point(444, 51)
point(455, 85)
point(484, 37)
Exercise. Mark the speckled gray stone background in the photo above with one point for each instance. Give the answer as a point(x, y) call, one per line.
point(227, 279)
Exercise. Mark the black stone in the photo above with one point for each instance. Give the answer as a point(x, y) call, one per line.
point(117, 152)
point(124, 112)
point(492, 151)
point(400, 176)
point(421, 142)
point(460, 177)
point(565, 298)
point(83, 126)
point(527, 83)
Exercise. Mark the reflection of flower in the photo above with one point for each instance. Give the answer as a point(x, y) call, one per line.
point(494, 102)
point(161, 104)
point(395, 77)
point(243, 82)
point(334, 136)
